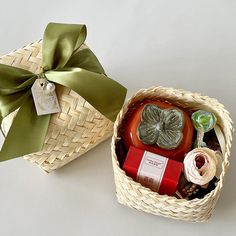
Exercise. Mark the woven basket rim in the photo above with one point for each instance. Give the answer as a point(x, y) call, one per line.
point(117, 123)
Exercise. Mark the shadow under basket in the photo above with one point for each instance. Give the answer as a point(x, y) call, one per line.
point(71, 133)
point(134, 195)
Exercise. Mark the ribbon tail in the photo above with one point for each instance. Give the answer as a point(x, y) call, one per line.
point(103, 93)
point(27, 132)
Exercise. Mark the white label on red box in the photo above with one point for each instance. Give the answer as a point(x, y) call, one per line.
point(151, 170)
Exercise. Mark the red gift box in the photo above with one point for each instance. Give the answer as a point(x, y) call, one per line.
point(156, 172)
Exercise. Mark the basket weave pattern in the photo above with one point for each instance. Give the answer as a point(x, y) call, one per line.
point(71, 133)
point(134, 195)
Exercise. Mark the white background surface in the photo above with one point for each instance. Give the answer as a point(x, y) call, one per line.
point(183, 44)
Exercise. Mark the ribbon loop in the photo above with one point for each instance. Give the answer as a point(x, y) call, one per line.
point(14, 86)
point(60, 41)
point(86, 59)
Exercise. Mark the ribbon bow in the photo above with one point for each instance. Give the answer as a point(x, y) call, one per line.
point(63, 64)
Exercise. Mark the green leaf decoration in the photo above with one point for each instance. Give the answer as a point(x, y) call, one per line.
point(161, 127)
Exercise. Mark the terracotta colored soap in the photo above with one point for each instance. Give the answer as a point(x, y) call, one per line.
point(176, 117)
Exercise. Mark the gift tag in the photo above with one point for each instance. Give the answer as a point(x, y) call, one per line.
point(45, 98)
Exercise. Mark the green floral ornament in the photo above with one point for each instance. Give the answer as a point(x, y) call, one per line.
point(203, 121)
point(163, 127)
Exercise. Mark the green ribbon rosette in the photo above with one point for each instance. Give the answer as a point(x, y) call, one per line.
point(64, 64)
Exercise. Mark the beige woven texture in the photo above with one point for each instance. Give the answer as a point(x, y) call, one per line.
point(74, 131)
point(134, 195)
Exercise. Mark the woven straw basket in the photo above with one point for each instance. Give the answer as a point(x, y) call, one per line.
point(71, 133)
point(134, 195)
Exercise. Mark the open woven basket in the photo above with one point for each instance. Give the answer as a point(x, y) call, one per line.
point(71, 133)
point(134, 195)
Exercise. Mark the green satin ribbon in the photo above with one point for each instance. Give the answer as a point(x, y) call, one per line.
point(63, 64)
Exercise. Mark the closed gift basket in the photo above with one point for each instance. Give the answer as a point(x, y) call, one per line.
point(86, 115)
point(133, 192)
